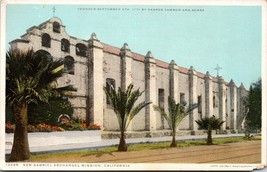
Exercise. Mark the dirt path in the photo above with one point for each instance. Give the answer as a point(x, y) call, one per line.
point(244, 152)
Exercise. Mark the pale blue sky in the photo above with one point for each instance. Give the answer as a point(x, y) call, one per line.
point(226, 35)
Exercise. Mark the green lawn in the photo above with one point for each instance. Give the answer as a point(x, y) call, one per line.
point(142, 146)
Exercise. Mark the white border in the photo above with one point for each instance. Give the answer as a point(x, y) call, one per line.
point(264, 83)
point(2, 81)
point(142, 2)
point(238, 167)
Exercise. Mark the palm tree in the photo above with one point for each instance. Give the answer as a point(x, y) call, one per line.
point(209, 123)
point(177, 112)
point(122, 103)
point(30, 77)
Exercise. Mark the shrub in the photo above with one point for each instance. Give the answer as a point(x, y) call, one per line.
point(248, 136)
point(9, 116)
point(64, 124)
point(32, 128)
point(94, 127)
point(44, 112)
point(10, 128)
point(49, 112)
point(77, 124)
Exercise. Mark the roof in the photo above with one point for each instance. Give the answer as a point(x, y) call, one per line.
point(20, 40)
point(138, 57)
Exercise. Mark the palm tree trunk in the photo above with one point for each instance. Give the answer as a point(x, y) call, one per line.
point(173, 144)
point(122, 145)
point(209, 139)
point(20, 149)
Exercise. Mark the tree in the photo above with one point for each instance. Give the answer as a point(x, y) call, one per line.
point(209, 123)
point(30, 77)
point(177, 112)
point(122, 103)
point(253, 103)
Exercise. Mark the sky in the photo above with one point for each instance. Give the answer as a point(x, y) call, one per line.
point(198, 36)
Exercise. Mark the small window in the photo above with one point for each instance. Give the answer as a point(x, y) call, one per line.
point(69, 64)
point(46, 40)
point(110, 85)
point(161, 98)
point(182, 102)
point(199, 102)
point(214, 101)
point(81, 49)
point(182, 98)
point(65, 45)
point(56, 27)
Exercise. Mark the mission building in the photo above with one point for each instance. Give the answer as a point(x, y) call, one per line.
point(92, 64)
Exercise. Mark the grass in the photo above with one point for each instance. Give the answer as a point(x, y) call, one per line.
point(140, 147)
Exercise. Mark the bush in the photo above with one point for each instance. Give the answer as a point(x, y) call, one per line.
point(44, 112)
point(62, 125)
point(10, 128)
point(9, 115)
point(49, 112)
point(77, 124)
point(248, 136)
point(32, 128)
point(94, 127)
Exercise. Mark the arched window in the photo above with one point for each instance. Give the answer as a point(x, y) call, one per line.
point(65, 45)
point(69, 64)
point(81, 49)
point(56, 27)
point(46, 40)
point(110, 84)
point(44, 53)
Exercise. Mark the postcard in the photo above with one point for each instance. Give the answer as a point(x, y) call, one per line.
point(151, 85)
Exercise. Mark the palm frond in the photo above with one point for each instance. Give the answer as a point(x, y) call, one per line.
point(112, 97)
point(164, 114)
point(131, 99)
point(29, 76)
point(135, 111)
point(209, 123)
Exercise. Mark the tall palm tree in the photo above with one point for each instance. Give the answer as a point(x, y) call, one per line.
point(122, 103)
point(209, 123)
point(177, 112)
point(30, 77)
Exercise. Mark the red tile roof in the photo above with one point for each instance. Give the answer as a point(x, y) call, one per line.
point(200, 75)
point(183, 70)
point(138, 57)
point(116, 51)
point(214, 79)
point(162, 64)
point(110, 49)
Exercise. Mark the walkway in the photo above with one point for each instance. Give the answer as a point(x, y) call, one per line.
point(111, 142)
